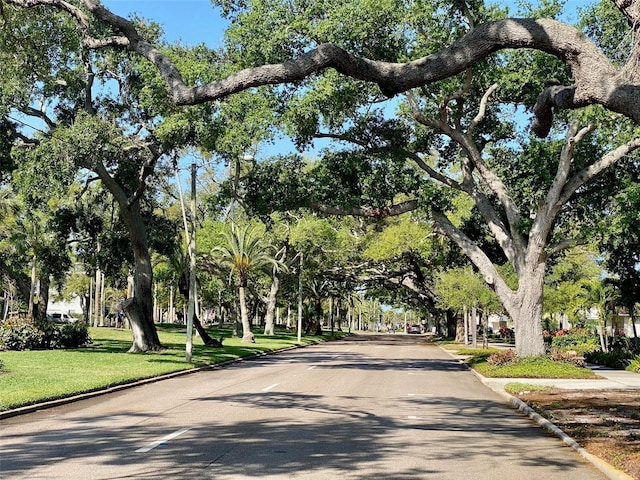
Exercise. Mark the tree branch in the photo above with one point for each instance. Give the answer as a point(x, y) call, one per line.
point(596, 80)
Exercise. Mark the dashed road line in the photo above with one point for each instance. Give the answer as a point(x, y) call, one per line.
point(162, 441)
point(266, 389)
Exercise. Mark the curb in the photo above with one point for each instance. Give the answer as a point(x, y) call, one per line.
point(606, 468)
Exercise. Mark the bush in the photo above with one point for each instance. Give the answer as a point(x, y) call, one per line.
point(619, 359)
point(571, 357)
point(21, 334)
point(573, 340)
point(634, 365)
point(503, 357)
point(73, 335)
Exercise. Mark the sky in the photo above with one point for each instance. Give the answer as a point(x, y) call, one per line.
point(189, 21)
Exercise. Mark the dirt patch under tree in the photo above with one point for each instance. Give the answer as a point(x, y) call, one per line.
point(606, 423)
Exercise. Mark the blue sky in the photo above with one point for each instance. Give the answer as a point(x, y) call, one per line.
point(189, 21)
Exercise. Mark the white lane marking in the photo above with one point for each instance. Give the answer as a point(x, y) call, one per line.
point(413, 417)
point(270, 387)
point(420, 394)
point(418, 374)
point(164, 439)
point(311, 367)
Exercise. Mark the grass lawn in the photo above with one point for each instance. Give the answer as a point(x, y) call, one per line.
point(34, 376)
point(534, 367)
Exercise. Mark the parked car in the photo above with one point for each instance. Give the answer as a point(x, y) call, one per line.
point(60, 317)
point(414, 329)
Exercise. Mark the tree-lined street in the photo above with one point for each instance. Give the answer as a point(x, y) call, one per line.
point(366, 407)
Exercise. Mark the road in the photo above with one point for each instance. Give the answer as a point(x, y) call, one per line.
point(369, 407)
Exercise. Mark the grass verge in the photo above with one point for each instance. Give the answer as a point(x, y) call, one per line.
point(531, 367)
point(519, 388)
point(39, 375)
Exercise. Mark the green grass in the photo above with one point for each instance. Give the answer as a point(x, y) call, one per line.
point(35, 376)
point(476, 352)
point(534, 367)
point(516, 388)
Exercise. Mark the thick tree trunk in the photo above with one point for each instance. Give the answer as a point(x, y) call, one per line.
point(525, 308)
point(247, 335)
point(139, 308)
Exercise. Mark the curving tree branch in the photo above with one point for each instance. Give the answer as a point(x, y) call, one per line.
point(596, 80)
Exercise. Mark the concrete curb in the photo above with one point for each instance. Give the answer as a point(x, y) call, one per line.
point(607, 469)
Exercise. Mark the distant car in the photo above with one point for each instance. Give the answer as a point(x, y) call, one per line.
point(414, 329)
point(60, 317)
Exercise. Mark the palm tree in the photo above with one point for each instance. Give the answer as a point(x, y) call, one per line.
point(244, 252)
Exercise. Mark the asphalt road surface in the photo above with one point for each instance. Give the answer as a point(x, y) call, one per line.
point(369, 407)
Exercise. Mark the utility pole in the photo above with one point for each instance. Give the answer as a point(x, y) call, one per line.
point(300, 301)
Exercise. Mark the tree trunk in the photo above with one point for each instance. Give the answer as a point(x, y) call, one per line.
point(473, 326)
point(32, 290)
point(247, 335)
point(139, 308)
point(269, 324)
point(525, 308)
point(41, 311)
point(183, 288)
point(460, 328)
point(206, 338)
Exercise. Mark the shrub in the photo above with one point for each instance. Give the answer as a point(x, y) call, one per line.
point(580, 342)
point(73, 335)
point(503, 357)
point(634, 365)
point(20, 334)
point(572, 357)
point(614, 359)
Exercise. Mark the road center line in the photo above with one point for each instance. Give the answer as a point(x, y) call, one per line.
point(164, 439)
point(270, 387)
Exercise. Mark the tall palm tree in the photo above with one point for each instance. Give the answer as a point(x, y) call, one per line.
point(244, 252)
